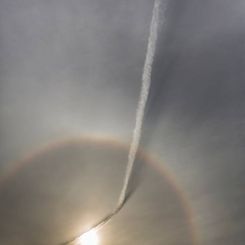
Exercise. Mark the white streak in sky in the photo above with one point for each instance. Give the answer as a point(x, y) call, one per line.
point(145, 87)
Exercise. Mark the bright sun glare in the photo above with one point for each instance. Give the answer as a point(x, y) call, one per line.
point(89, 238)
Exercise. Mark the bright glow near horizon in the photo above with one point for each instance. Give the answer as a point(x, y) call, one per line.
point(89, 238)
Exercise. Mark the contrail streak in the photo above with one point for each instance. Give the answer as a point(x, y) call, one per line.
point(146, 82)
point(145, 87)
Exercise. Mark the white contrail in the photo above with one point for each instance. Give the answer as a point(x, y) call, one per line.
point(145, 87)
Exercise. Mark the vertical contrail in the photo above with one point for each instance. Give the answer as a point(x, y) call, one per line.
point(145, 87)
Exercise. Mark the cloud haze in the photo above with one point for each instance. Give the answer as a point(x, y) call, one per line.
point(74, 68)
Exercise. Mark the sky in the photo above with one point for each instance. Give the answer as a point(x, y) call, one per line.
point(71, 69)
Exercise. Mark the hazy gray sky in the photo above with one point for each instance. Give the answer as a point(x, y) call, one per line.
point(69, 68)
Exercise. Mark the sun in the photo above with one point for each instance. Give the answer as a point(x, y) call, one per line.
point(88, 238)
